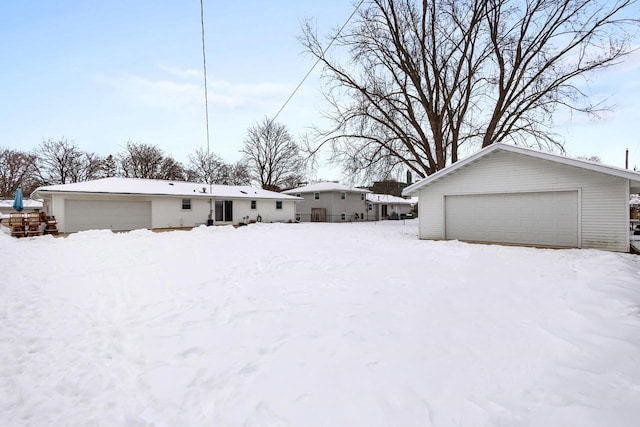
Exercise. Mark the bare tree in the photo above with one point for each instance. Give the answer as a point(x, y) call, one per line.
point(17, 169)
point(210, 168)
point(424, 78)
point(235, 174)
point(170, 169)
point(139, 160)
point(62, 162)
point(271, 155)
point(204, 167)
point(89, 167)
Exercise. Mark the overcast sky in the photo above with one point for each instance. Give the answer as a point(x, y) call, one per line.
point(104, 72)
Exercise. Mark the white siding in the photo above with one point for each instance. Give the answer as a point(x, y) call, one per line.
point(266, 208)
point(603, 198)
point(167, 212)
point(334, 204)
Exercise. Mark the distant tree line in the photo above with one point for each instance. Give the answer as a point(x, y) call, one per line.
point(62, 161)
point(271, 160)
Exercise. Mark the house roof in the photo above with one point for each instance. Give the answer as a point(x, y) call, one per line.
point(325, 186)
point(135, 186)
point(634, 177)
point(27, 203)
point(388, 199)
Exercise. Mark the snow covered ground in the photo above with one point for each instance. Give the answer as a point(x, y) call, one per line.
point(314, 325)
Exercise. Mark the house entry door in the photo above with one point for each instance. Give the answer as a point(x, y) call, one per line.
point(224, 211)
point(318, 214)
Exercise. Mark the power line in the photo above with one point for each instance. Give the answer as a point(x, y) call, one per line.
point(317, 61)
point(206, 111)
point(204, 67)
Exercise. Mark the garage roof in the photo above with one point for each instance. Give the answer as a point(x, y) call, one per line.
point(633, 177)
point(135, 186)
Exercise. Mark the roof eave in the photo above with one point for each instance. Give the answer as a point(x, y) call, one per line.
point(595, 167)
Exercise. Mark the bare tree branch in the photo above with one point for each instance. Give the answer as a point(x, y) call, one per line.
point(423, 78)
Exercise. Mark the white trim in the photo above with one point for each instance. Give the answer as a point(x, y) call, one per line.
point(583, 164)
point(579, 218)
point(542, 190)
point(627, 210)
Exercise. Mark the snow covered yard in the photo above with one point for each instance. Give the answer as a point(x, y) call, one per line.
point(314, 325)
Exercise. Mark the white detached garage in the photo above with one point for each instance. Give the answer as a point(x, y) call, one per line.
point(513, 195)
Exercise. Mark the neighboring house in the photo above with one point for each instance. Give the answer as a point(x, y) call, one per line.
point(385, 206)
point(513, 195)
point(29, 205)
point(331, 202)
point(121, 204)
point(634, 205)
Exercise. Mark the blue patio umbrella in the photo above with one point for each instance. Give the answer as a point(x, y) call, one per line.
point(17, 203)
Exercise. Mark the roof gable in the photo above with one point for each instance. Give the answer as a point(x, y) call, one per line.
point(634, 177)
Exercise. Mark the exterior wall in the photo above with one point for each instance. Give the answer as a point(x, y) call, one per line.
point(266, 208)
point(391, 209)
point(604, 204)
point(335, 206)
point(167, 212)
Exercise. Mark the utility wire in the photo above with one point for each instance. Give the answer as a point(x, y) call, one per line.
point(204, 68)
point(317, 61)
point(206, 112)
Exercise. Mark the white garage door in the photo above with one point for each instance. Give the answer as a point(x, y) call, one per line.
point(116, 215)
point(539, 219)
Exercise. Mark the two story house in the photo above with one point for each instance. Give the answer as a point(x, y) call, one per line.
point(331, 202)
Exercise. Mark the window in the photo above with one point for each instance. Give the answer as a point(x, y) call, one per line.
point(343, 216)
point(297, 194)
point(316, 196)
point(343, 195)
point(253, 204)
point(278, 204)
point(362, 196)
point(186, 204)
point(370, 206)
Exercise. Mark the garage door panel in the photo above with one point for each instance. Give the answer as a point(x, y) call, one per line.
point(543, 219)
point(116, 215)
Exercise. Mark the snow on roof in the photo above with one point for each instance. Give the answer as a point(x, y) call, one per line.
point(633, 177)
point(27, 203)
point(325, 186)
point(388, 199)
point(161, 188)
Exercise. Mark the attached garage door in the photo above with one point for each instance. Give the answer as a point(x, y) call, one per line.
point(538, 219)
point(116, 215)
